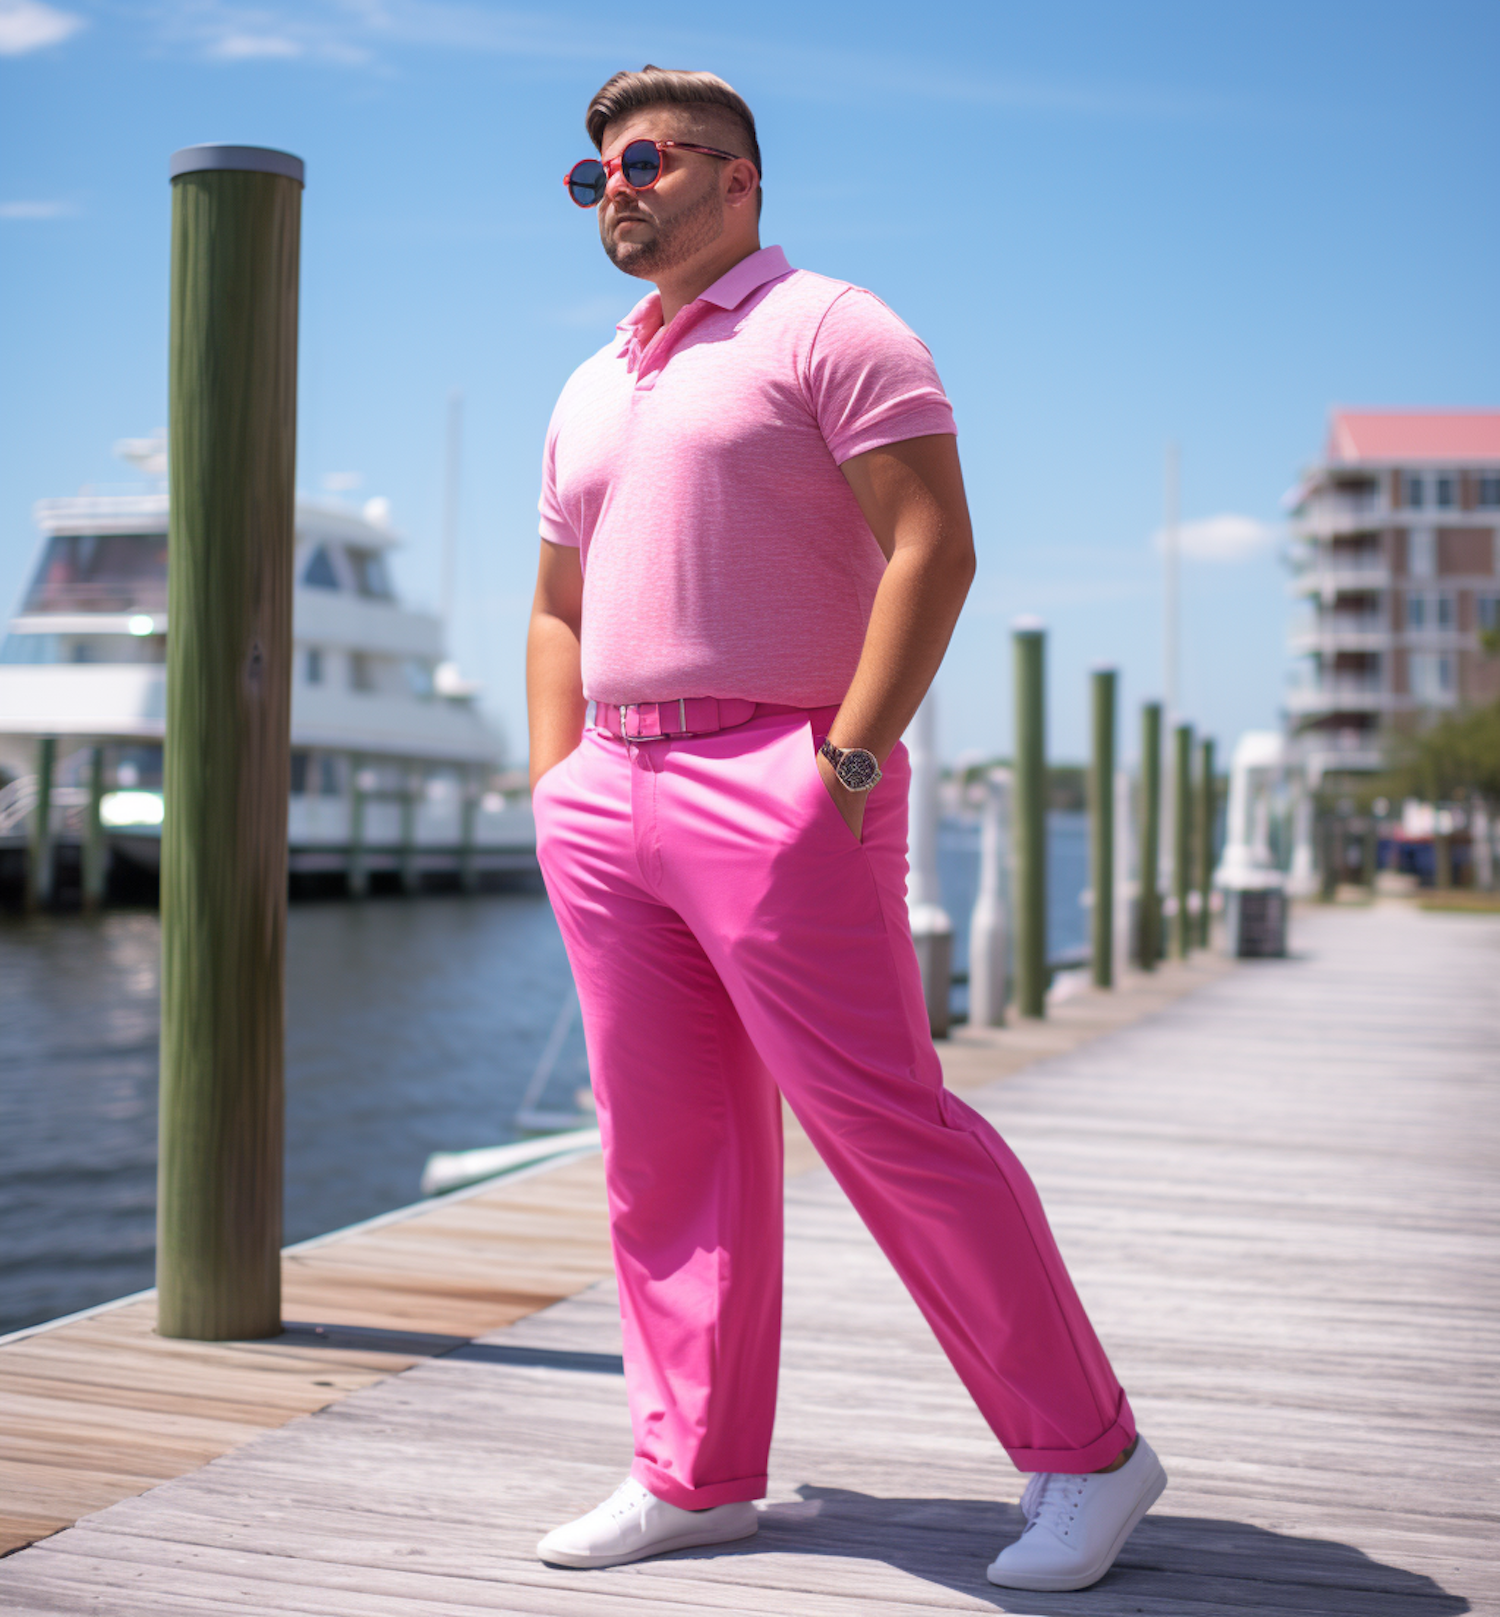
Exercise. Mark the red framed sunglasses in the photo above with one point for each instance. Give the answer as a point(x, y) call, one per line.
point(640, 163)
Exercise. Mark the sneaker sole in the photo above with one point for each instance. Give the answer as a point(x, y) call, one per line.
point(679, 1541)
point(1062, 1583)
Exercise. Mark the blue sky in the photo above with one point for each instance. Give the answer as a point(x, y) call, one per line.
point(1114, 226)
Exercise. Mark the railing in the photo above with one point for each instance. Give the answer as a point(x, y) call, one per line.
point(1328, 516)
point(1340, 630)
point(1339, 690)
point(18, 801)
point(112, 596)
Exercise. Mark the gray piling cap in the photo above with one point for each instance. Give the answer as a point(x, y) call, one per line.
point(243, 159)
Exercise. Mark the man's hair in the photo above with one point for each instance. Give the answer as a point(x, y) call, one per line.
point(667, 86)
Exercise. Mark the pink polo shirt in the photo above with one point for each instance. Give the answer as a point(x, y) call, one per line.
point(697, 466)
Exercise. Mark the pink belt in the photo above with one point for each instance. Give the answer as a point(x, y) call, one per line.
point(687, 716)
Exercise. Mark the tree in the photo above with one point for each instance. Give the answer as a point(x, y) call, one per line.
point(1449, 760)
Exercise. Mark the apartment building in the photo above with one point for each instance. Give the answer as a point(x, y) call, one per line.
point(1396, 573)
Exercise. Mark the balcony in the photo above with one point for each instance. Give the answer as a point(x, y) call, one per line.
point(1332, 632)
point(1340, 693)
point(1329, 515)
point(1325, 573)
point(1324, 752)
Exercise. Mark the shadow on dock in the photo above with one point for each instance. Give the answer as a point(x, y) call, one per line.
point(1226, 1565)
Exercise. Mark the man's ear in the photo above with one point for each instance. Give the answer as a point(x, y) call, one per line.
point(743, 183)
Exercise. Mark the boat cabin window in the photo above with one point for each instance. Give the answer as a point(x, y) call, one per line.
point(44, 649)
point(319, 572)
point(299, 774)
point(314, 665)
point(370, 576)
point(100, 572)
point(361, 671)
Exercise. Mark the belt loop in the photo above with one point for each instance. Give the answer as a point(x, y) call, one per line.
point(682, 713)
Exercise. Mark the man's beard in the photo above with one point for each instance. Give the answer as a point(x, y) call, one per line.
point(675, 241)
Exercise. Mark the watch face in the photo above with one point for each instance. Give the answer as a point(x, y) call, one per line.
point(858, 769)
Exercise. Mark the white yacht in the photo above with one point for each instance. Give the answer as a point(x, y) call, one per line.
point(394, 769)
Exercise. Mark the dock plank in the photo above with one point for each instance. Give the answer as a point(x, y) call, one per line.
point(1278, 1196)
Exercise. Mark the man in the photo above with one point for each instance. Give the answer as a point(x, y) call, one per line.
point(755, 544)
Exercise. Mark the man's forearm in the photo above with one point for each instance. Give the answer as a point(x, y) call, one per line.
point(555, 706)
point(911, 621)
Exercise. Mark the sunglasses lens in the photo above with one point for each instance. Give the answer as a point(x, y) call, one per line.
point(640, 163)
point(586, 182)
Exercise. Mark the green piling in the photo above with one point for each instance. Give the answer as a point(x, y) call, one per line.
point(1102, 827)
point(1182, 840)
point(1148, 908)
point(1329, 848)
point(39, 856)
point(233, 399)
point(95, 850)
point(1030, 821)
point(1203, 838)
point(411, 784)
point(468, 868)
point(357, 872)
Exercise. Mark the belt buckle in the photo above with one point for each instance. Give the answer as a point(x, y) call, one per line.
point(661, 735)
point(628, 710)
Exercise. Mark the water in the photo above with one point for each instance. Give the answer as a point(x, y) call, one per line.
point(413, 1025)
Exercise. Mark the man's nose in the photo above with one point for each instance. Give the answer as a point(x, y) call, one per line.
point(614, 182)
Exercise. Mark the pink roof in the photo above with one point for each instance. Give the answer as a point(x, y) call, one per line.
point(1398, 435)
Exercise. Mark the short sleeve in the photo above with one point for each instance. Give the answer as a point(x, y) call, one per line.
point(555, 526)
point(871, 380)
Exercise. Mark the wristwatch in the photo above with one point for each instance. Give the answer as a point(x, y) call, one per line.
point(856, 769)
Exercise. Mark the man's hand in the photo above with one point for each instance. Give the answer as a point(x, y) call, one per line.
point(850, 804)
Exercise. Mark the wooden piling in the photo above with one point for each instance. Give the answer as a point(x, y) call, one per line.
point(1182, 840)
point(1330, 848)
point(1102, 828)
point(1203, 838)
point(233, 383)
point(95, 850)
point(411, 785)
point(357, 871)
point(39, 857)
point(468, 869)
point(1148, 915)
point(1029, 835)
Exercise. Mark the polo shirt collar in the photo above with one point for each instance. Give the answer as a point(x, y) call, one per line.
point(734, 286)
point(728, 292)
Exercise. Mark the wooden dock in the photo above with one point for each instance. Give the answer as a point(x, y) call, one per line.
point(1277, 1193)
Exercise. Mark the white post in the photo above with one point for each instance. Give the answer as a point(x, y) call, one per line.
point(1126, 889)
point(1302, 878)
point(989, 930)
point(931, 930)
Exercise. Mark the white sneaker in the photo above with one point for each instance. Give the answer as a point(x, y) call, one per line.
point(633, 1523)
point(1077, 1525)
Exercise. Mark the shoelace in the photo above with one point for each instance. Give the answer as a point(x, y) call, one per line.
point(624, 1499)
point(1055, 1501)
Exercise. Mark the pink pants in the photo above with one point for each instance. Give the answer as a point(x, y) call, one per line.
point(731, 940)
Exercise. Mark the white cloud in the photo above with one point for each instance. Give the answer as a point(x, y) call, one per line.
point(371, 32)
point(252, 47)
point(29, 25)
point(36, 210)
point(1226, 537)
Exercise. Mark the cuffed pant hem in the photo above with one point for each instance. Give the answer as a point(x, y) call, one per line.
point(1116, 1437)
point(668, 1488)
